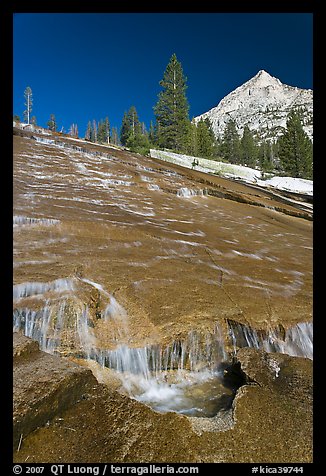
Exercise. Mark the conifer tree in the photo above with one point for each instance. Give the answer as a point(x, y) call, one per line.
point(135, 125)
point(114, 136)
point(94, 131)
point(107, 130)
point(52, 124)
point(249, 149)
point(230, 146)
point(88, 133)
point(266, 156)
point(192, 148)
point(103, 131)
point(28, 103)
point(73, 131)
point(172, 108)
point(295, 149)
point(205, 139)
point(125, 129)
point(131, 125)
point(152, 134)
point(139, 143)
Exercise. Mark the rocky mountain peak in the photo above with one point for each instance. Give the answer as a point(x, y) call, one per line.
point(263, 104)
point(264, 79)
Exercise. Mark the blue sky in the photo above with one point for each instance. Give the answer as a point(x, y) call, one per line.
point(88, 66)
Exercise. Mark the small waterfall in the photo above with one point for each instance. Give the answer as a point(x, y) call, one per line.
point(195, 352)
point(43, 140)
point(185, 375)
point(34, 324)
point(20, 220)
point(24, 290)
point(168, 377)
point(297, 341)
point(153, 186)
point(65, 145)
point(53, 325)
point(188, 192)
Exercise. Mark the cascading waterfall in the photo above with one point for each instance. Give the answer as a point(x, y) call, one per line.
point(172, 377)
point(194, 353)
point(34, 324)
point(168, 377)
point(184, 376)
point(20, 220)
point(32, 289)
point(188, 192)
point(165, 377)
point(296, 341)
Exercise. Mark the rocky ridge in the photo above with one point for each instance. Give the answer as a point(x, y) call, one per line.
point(263, 104)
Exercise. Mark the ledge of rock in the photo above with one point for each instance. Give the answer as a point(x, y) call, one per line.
point(274, 407)
point(43, 385)
point(79, 420)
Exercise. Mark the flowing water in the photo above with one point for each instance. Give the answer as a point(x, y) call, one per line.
point(185, 376)
point(130, 266)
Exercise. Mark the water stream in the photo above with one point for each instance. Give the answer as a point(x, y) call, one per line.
point(185, 375)
point(98, 232)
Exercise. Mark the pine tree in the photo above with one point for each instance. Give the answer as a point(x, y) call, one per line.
point(33, 120)
point(205, 139)
point(94, 131)
point(101, 132)
point(266, 156)
point(295, 149)
point(73, 131)
point(139, 143)
point(88, 133)
point(125, 129)
point(172, 108)
point(249, 149)
point(130, 125)
point(152, 134)
point(114, 136)
point(192, 148)
point(230, 147)
point(28, 103)
point(52, 125)
point(135, 125)
point(107, 130)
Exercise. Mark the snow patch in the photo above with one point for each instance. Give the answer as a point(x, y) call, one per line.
point(290, 184)
point(247, 174)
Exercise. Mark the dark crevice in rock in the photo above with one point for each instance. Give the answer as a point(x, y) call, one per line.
point(233, 375)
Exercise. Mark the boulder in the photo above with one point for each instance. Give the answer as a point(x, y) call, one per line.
point(43, 385)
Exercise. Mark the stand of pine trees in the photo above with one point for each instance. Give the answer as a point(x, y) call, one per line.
point(101, 132)
point(133, 133)
point(295, 149)
point(291, 154)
